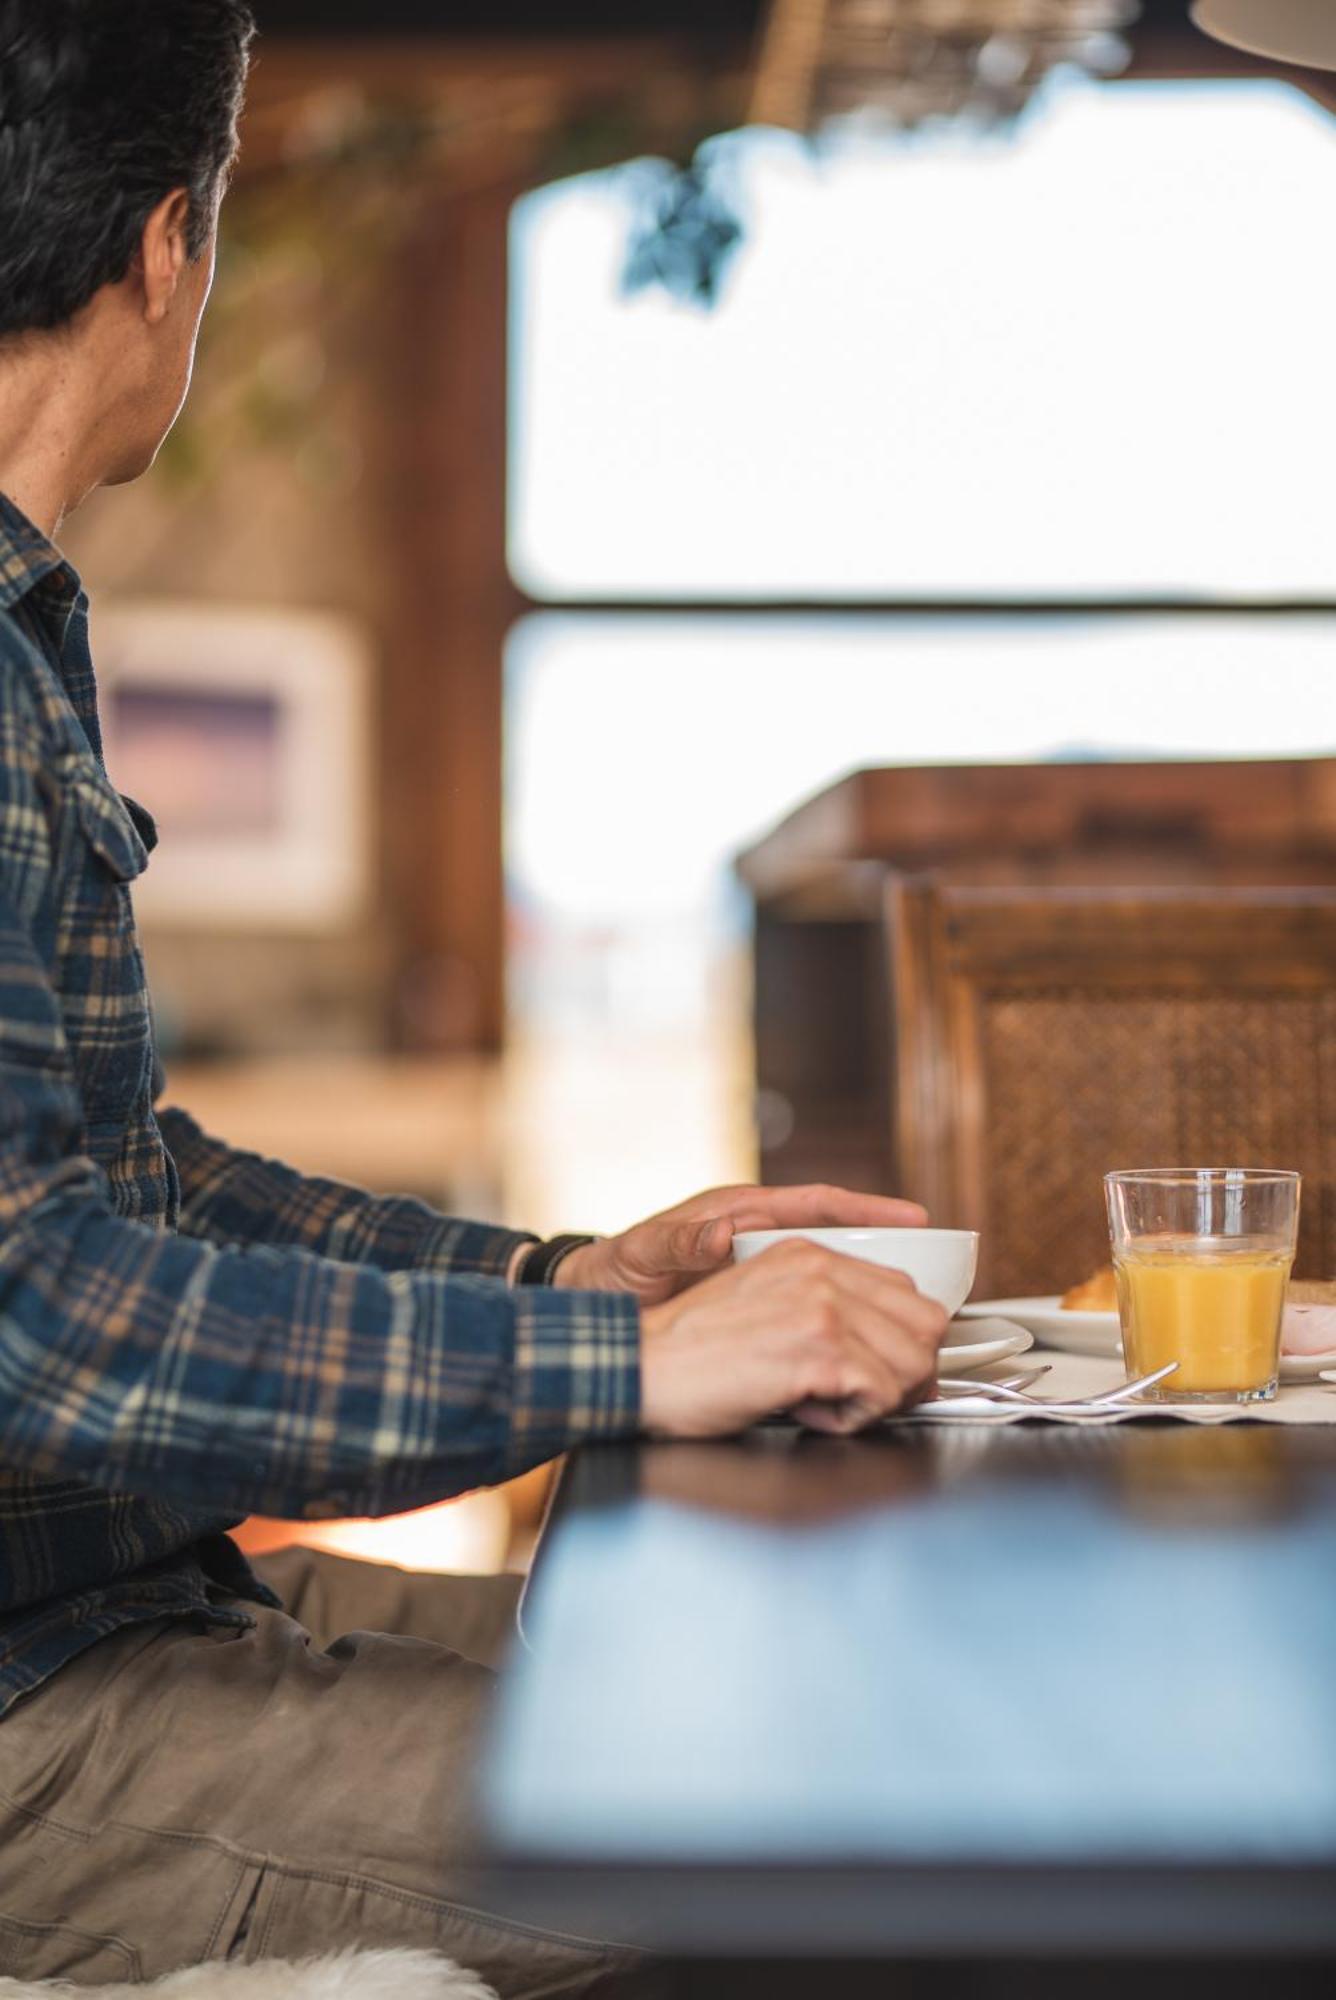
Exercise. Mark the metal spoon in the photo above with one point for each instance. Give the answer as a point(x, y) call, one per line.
point(971, 1386)
point(998, 1392)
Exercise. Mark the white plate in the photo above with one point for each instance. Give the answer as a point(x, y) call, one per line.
point(1073, 1332)
point(990, 1340)
point(1306, 1367)
point(1097, 1333)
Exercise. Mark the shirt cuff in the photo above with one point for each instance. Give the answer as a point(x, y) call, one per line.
point(575, 1374)
point(454, 1248)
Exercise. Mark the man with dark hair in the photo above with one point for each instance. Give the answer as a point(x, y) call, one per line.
point(188, 1333)
point(98, 117)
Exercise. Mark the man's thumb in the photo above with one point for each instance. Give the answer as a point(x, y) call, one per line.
point(699, 1246)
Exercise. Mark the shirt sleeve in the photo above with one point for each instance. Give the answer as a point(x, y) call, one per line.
point(266, 1380)
point(233, 1198)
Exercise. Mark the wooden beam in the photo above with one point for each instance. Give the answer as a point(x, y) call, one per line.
point(282, 66)
point(449, 605)
point(523, 89)
point(513, 20)
point(789, 59)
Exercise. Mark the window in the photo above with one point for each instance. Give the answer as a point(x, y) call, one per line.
point(1091, 359)
point(1030, 439)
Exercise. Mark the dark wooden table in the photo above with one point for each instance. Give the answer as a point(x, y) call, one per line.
point(989, 1705)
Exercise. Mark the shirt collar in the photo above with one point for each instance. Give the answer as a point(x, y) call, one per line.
point(28, 559)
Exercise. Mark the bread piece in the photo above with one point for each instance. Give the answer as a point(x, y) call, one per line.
point(1312, 1292)
point(1098, 1294)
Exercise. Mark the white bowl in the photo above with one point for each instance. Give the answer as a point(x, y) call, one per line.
point(940, 1261)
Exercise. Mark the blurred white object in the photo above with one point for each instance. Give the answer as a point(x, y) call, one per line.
point(1308, 1329)
point(344, 1975)
point(1298, 31)
point(465, 1537)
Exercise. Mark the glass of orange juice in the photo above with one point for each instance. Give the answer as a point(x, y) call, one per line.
point(1202, 1256)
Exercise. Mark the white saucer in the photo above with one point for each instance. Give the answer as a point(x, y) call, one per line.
point(1098, 1333)
point(991, 1340)
point(1073, 1332)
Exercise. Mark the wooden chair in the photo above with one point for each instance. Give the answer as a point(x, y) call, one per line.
point(825, 880)
point(1044, 1036)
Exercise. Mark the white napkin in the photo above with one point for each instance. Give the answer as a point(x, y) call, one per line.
point(1087, 1375)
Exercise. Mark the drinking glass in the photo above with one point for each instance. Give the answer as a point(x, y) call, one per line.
point(1202, 1257)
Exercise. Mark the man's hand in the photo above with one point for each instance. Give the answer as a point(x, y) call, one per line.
point(835, 1341)
point(660, 1258)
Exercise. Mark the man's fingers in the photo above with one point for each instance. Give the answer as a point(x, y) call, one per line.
point(696, 1238)
point(700, 1244)
point(818, 1207)
point(837, 1418)
point(897, 1358)
point(897, 1314)
point(799, 1328)
point(870, 1345)
point(851, 1354)
point(892, 1293)
point(864, 1386)
point(870, 1281)
point(909, 1359)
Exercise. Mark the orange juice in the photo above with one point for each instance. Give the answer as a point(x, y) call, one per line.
point(1214, 1310)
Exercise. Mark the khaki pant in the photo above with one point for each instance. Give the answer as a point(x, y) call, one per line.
point(177, 1795)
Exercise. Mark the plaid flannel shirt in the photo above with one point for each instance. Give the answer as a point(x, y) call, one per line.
point(187, 1333)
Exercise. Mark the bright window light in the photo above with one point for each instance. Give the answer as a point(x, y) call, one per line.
point(644, 752)
point(1093, 356)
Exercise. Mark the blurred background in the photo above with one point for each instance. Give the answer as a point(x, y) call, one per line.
point(617, 423)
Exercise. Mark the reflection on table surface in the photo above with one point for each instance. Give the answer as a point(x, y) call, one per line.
point(1011, 1646)
point(1233, 1473)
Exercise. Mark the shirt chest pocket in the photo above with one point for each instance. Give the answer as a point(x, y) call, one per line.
point(108, 824)
point(103, 990)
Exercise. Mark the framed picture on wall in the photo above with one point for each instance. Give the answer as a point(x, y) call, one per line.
point(244, 731)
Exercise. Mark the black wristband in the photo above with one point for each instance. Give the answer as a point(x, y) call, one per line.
point(540, 1266)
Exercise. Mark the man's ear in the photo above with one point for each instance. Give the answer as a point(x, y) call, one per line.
point(163, 255)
